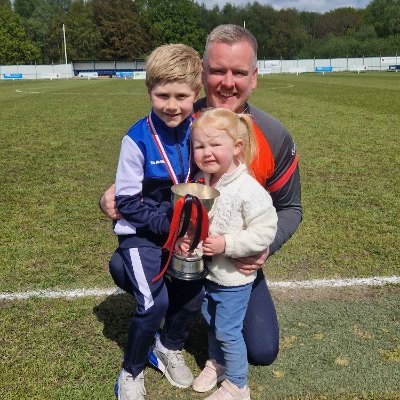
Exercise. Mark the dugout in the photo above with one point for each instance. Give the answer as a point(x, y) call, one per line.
point(107, 68)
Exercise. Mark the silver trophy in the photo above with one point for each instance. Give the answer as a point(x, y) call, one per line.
point(195, 201)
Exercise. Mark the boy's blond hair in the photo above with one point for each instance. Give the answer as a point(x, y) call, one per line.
point(174, 63)
point(237, 126)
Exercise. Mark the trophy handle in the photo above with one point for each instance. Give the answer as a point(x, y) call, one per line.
point(187, 212)
point(198, 215)
point(199, 223)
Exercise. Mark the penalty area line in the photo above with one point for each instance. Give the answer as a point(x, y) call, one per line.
point(310, 284)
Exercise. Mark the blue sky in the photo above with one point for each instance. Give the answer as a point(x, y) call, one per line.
point(301, 5)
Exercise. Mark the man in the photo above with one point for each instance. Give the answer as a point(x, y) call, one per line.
point(229, 77)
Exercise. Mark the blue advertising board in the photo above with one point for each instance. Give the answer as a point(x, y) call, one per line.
point(124, 74)
point(12, 76)
point(323, 69)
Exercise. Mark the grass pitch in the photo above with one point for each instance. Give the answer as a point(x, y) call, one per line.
point(59, 145)
point(332, 347)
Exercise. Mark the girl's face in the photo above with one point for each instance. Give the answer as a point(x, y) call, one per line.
point(215, 152)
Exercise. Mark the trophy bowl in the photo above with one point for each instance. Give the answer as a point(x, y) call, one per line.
point(192, 266)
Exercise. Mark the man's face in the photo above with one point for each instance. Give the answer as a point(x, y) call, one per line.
point(229, 75)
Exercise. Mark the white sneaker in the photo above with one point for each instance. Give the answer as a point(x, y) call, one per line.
point(129, 388)
point(172, 365)
point(229, 391)
point(209, 377)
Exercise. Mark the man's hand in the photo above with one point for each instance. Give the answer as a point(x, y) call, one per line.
point(108, 205)
point(214, 245)
point(248, 265)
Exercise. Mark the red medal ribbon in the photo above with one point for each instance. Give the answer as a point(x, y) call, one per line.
point(163, 153)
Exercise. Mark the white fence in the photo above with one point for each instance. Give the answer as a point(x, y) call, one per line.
point(62, 71)
point(332, 64)
point(56, 71)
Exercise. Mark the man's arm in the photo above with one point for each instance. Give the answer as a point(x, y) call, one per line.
point(284, 183)
point(285, 191)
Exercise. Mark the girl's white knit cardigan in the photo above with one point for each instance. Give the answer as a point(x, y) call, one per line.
point(245, 216)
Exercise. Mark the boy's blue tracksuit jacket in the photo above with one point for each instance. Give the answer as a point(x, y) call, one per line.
point(143, 183)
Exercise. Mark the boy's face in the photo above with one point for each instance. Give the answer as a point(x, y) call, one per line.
point(172, 102)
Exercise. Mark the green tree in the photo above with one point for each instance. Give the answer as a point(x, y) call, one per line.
point(231, 15)
point(5, 4)
point(15, 46)
point(308, 21)
point(40, 19)
point(209, 19)
point(384, 15)
point(25, 8)
point(260, 21)
point(122, 35)
point(337, 22)
point(83, 37)
point(288, 36)
point(37, 27)
point(173, 21)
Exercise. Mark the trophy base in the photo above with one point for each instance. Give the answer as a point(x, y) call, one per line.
point(187, 268)
point(187, 276)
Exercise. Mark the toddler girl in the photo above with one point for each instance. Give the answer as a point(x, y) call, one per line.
point(243, 222)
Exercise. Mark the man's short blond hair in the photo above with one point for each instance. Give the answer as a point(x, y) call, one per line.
point(231, 34)
point(173, 63)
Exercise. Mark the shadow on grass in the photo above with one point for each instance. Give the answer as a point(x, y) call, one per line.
point(116, 311)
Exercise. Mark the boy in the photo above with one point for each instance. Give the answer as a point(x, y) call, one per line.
point(155, 154)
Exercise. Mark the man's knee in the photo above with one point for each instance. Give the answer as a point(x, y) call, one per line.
point(264, 355)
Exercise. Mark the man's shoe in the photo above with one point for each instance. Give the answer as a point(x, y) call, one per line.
point(172, 365)
point(129, 388)
point(229, 391)
point(209, 377)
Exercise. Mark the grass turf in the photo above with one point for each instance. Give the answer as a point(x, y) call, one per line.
point(331, 348)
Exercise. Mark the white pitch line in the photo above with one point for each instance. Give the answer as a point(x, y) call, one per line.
point(311, 284)
point(56, 294)
point(335, 283)
point(288, 86)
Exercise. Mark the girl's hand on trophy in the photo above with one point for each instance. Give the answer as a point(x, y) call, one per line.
point(214, 245)
point(182, 246)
